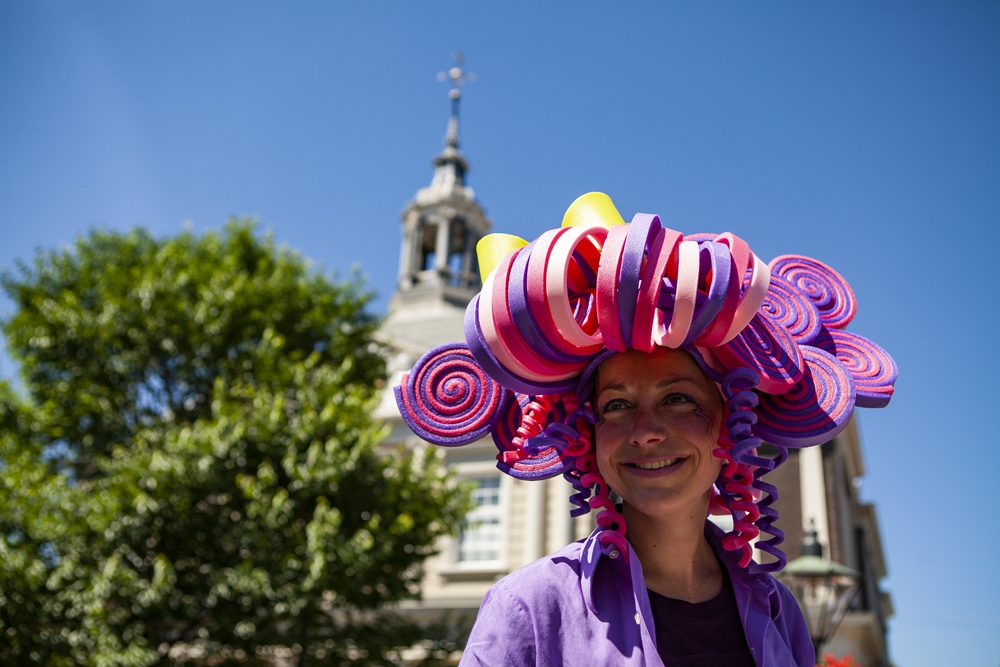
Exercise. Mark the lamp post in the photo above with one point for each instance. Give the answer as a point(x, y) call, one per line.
point(824, 589)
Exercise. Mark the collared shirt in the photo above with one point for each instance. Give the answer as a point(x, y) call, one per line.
point(580, 607)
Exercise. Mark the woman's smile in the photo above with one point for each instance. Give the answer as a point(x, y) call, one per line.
point(656, 467)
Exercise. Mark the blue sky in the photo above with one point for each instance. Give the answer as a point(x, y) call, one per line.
point(866, 134)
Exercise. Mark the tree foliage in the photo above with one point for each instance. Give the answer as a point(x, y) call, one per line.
point(191, 473)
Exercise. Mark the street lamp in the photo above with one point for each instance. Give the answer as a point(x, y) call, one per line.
point(823, 589)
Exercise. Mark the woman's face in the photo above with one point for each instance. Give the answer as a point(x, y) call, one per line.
point(658, 422)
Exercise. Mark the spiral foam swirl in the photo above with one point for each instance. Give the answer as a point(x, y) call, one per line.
point(448, 399)
point(768, 349)
point(788, 307)
point(873, 370)
point(815, 410)
point(824, 287)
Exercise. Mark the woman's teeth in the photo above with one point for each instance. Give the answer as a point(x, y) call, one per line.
point(654, 465)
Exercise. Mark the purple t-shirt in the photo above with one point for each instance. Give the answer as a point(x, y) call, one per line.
point(703, 634)
point(581, 607)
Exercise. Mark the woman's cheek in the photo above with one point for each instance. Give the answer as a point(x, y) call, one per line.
point(604, 449)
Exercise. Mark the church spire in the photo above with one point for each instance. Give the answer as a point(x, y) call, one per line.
point(442, 225)
point(458, 78)
point(450, 165)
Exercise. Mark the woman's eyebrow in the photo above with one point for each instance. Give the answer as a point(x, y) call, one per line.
point(659, 385)
point(669, 381)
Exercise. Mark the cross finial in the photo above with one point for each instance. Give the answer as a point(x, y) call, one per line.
point(458, 78)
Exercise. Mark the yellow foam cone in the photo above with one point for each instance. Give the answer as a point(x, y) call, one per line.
point(593, 208)
point(492, 248)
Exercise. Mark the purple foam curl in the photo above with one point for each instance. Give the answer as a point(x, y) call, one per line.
point(641, 233)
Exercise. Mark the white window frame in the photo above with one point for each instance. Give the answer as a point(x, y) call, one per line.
point(495, 511)
point(470, 470)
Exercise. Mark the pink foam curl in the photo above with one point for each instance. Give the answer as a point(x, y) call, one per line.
point(557, 288)
point(663, 248)
point(673, 333)
point(503, 338)
point(753, 296)
point(740, 256)
point(539, 435)
point(737, 483)
point(534, 419)
point(607, 288)
point(575, 418)
point(587, 463)
point(535, 285)
point(610, 520)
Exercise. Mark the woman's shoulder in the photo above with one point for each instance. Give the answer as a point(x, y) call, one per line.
point(521, 615)
point(543, 581)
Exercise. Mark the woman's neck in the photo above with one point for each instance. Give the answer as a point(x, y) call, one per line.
point(677, 560)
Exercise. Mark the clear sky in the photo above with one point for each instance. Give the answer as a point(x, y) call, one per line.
point(866, 134)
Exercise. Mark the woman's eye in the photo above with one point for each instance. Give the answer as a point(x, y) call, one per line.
point(678, 400)
point(614, 404)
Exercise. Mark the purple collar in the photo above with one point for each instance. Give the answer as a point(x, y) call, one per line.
point(744, 583)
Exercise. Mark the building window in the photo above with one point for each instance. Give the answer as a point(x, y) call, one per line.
point(481, 534)
point(428, 246)
point(455, 262)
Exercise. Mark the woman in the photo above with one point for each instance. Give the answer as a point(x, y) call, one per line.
point(632, 359)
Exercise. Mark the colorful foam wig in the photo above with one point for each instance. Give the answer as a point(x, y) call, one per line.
point(550, 311)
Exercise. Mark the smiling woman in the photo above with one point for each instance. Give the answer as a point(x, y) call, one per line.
point(659, 419)
point(632, 359)
point(658, 423)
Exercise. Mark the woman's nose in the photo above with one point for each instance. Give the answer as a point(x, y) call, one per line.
point(648, 428)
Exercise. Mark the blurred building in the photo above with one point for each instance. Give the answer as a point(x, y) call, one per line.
point(516, 522)
point(819, 487)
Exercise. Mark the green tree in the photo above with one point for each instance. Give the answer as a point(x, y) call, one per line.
point(191, 471)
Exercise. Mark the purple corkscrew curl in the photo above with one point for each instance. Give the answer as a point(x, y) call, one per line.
point(737, 388)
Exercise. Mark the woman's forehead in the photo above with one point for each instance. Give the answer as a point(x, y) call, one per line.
point(636, 367)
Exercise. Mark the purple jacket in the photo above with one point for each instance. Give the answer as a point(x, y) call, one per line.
point(579, 607)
